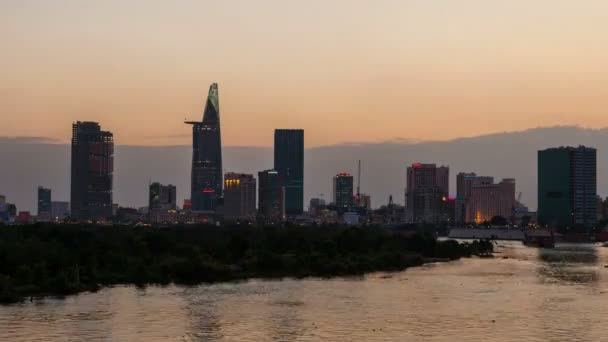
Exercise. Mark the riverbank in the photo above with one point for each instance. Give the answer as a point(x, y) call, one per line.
point(65, 259)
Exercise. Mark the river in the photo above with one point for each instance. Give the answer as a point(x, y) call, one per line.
point(523, 294)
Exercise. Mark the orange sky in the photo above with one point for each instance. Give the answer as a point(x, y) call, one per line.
point(344, 70)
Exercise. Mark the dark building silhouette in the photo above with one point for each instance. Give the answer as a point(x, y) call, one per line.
point(206, 177)
point(289, 162)
point(92, 172)
point(162, 203)
point(239, 196)
point(44, 204)
point(271, 197)
point(343, 191)
point(567, 187)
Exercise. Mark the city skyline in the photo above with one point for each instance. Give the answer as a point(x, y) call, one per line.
point(483, 67)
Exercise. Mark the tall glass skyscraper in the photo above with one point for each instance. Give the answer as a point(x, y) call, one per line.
point(92, 172)
point(206, 177)
point(289, 163)
point(567, 187)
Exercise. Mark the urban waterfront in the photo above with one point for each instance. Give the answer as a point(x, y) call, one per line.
point(522, 294)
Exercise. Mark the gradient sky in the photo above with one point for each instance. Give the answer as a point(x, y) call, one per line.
point(344, 70)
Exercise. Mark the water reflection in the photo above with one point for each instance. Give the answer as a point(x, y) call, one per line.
point(569, 264)
point(525, 294)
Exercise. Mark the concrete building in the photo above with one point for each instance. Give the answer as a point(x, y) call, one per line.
point(464, 187)
point(567, 187)
point(489, 200)
point(316, 206)
point(343, 191)
point(60, 210)
point(92, 172)
point(162, 203)
point(44, 204)
point(289, 163)
point(239, 197)
point(271, 197)
point(427, 188)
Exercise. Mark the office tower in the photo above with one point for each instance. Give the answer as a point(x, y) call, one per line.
point(427, 187)
point(239, 196)
point(464, 186)
point(289, 162)
point(206, 176)
point(92, 172)
point(488, 200)
point(343, 191)
point(466, 181)
point(3, 210)
point(44, 204)
point(271, 197)
point(315, 206)
point(60, 210)
point(162, 203)
point(567, 187)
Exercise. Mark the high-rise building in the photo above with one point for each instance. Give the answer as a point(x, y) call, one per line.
point(289, 162)
point(271, 197)
point(489, 200)
point(162, 204)
point(343, 191)
point(239, 196)
point(567, 187)
point(206, 176)
point(60, 210)
point(44, 204)
point(92, 172)
point(427, 189)
point(464, 186)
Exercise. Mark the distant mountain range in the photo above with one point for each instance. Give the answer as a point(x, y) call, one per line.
point(29, 162)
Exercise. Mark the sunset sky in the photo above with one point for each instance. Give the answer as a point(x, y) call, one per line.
point(344, 70)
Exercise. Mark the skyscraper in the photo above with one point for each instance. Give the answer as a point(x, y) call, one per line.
point(343, 191)
point(271, 197)
point(239, 196)
point(567, 187)
point(289, 162)
point(427, 190)
point(206, 176)
point(92, 172)
point(44, 204)
point(488, 200)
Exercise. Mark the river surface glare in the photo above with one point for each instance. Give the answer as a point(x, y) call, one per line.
point(523, 294)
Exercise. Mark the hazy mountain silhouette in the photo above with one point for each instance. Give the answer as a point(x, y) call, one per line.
point(27, 163)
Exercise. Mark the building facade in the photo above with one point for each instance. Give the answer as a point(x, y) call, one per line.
point(271, 197)
point(343, 191)
point(464, 187)
point(162, 203)
point(60, 210)
point(289, 162)
point(44, 204)
point(426, 191)
point(206, 173)
point(239, 197)
point(567, 187)
point(92, 172)
point(489, 200)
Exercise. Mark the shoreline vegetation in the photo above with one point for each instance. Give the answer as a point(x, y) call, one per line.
point(57, 259)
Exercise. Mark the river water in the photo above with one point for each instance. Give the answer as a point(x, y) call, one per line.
point(524, 294)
